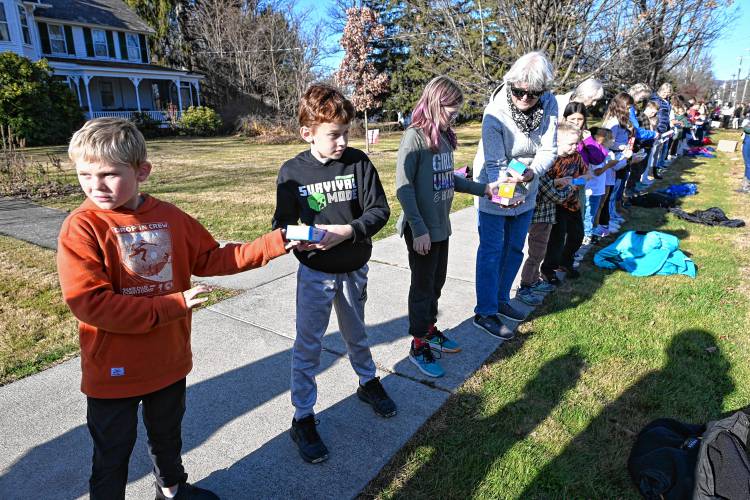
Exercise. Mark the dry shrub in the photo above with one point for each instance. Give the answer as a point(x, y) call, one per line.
point(265, 130)
point(24, 178)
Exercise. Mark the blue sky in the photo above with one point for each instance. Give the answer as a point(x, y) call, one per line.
point(725, 51)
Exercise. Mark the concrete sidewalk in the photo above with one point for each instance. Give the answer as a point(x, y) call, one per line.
point(238, 408)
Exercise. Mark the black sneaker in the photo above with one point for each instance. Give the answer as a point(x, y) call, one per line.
point(507, 311)
point(493, 326)
point(311, 447)
point(374, 395)
point(187, 491)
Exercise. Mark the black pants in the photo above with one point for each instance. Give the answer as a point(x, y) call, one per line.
point(636, 171)
point(427, 279)
point(564, 241)
point(113, 427)
point(604, 204)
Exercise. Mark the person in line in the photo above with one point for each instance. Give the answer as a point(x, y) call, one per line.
point(425, 185)
point(650, 120)
point(336, 189)
point(617, 119)
point(662, 97)
point(745, 188)
point(554, 189)
point(595, 184)
point(566, 235)
point(576, 114)
point(645, 134)
point(125, 260)
point(520, 123)
point(588, 93)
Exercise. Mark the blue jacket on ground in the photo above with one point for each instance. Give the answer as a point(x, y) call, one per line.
point(653, 253)
point(642, 134)
point(663, 114)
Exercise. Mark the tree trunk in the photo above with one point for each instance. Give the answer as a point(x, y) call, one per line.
point(367, 138)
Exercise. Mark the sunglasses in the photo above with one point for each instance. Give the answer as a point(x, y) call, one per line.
point(520, 93)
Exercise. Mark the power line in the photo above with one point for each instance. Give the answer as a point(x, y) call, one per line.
point(315, 47)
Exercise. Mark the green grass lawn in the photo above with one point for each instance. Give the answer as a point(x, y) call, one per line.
point(555, 412)
point(229, 184)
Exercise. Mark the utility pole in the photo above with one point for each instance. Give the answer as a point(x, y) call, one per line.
point(744, 87)
point(737, 82)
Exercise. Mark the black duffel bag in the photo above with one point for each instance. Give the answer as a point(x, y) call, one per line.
point(671, 460)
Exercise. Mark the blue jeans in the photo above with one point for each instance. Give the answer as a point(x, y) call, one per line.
point(663, 153)
point(501, 240)
point(746, 155)
point(592, 205)
point(615, 196)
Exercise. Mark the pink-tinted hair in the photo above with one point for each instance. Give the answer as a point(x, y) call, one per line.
point(440, 92)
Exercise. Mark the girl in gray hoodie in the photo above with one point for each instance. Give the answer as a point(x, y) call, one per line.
point(425, 185)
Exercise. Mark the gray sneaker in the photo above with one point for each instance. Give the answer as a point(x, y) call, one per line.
point(507, 311)
point(527, 296)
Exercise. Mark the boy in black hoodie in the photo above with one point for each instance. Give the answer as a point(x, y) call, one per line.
point(336, 189)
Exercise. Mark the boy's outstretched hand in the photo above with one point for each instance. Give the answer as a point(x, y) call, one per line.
point(191, 296)
point(289, 244)
point(335, 234)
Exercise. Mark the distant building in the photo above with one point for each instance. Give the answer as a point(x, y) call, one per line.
point(100, 49)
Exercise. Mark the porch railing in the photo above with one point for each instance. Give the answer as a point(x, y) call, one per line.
point(160, 116)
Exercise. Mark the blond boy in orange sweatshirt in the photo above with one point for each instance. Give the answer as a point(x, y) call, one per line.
point(125, 260)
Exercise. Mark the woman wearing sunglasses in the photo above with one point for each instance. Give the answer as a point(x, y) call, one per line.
point(520, 123)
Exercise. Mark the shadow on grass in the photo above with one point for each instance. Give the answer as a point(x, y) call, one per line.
point(465, 453)
point(485, 438)
point(693, 384)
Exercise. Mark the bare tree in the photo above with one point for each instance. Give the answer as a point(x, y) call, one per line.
point(264, 51)
point(658, 36)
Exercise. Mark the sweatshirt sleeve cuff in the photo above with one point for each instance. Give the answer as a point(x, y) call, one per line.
point(274, 244)
point(418, 229)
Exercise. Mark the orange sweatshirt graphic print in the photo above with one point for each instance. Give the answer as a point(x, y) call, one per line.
point(122, 274)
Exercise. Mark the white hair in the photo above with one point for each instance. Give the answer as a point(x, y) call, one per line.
point(639, 92)
point(533, 69)
point(590, 89)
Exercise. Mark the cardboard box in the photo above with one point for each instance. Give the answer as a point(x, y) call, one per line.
point(727, 146)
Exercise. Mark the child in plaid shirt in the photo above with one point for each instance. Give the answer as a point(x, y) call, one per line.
point(566, 235)
point(554, 189)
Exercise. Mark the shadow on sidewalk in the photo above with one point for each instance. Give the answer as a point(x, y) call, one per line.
point(216, 402)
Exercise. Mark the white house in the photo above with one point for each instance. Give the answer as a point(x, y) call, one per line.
point(100, 48)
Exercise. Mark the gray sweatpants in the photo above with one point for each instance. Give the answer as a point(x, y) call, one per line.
point(316, 292)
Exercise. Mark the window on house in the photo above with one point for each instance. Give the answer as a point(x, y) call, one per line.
point(4, 31)
point(134, 48)
point(57, 39)
point(24, 25)
point(100, 43)
point(107, 94)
